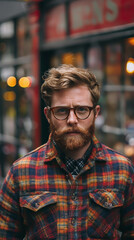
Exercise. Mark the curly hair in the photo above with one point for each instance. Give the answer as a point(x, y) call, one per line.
point(68, 76)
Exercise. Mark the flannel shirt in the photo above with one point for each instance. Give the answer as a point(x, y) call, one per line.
point(41, 200)
point(75, 166)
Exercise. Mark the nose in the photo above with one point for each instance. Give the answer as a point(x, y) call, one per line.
point(72, 119)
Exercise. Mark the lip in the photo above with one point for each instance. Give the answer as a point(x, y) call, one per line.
point(73, 133)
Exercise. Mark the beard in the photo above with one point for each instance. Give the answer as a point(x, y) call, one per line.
point(68, 142)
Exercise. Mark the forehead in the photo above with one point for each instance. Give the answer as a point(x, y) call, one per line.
point(78, 95)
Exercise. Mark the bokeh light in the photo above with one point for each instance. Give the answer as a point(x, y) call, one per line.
point(25, 82)
point(9, 96)
point(11, 81)
point(130, 65)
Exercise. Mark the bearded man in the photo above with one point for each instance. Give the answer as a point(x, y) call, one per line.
point(72, 187)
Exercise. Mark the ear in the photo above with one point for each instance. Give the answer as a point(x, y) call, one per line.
point(97, 110)
point(47, 114)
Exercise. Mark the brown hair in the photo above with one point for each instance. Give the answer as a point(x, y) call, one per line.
point(68, 76)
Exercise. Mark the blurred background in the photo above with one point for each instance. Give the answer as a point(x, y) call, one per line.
point(37, 35)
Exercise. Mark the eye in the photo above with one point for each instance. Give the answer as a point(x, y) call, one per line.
point(61, 110)
point(82, 109)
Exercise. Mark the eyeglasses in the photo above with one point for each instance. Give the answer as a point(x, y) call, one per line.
point(62, 113)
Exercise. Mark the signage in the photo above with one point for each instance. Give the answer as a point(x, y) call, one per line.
point(90, 16)
point(55, 24)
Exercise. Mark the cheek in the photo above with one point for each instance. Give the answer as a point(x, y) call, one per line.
point(88, 122)
point(87, 125)
point(57, 124)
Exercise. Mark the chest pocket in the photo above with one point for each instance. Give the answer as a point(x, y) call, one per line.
point(108, 199)
point(104, 213)
point(39, 212)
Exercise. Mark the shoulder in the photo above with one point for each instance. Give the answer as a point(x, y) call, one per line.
point(25, 168)
point(112, 153)
point(117, 159)
point(113, 158)
point(31, 158)
point(107, 153)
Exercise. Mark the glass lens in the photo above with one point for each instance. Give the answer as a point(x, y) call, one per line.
point(82, 112)
point(60, 112)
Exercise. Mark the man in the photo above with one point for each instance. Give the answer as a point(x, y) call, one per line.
point(73, 187)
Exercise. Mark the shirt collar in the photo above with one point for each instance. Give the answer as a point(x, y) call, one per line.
point(97, 154)
point(50, 151)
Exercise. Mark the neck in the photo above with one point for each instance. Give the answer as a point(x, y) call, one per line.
point(77, 153)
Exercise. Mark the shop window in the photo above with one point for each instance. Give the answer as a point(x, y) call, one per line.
point(7, 72)
point(7, 30)
point(129, 61)
point(25, 109)
point(55, 61)
point(67, 58)
point(9, 150)
point(8, 124)
point(75, 59)
point(129, 116)
point(113, 109)
point(129, 124)
point(6, 50)
point(6, 41)
point(8, 99)
point(95, 63)
point(9, 115)
point(113, 64)
point(79, 60)
point(23, 37)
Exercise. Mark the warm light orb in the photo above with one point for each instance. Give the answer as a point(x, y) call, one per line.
point(130, 66)
point(11, 81)
point(24, 82)
point(9, 96)
point(131, 41)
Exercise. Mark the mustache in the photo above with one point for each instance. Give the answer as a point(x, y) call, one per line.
point(70, 130)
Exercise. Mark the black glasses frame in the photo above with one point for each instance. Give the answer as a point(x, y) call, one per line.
point(70, 108)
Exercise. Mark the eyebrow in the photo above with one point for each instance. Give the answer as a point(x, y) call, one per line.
point(79, 105)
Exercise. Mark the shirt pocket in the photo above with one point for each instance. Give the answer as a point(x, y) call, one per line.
point(104, 213)
point(39, 212)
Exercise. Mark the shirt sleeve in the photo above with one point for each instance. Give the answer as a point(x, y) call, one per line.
point(11, 225)
point(127, 213)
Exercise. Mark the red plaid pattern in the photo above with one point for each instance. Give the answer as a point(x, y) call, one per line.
point(41, 200)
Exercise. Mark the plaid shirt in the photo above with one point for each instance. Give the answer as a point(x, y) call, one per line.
point(74, 166)
point(41, 200)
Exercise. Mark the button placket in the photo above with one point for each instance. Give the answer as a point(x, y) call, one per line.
point(74, 197)
point(108, 204)
point(36, 204)
point(74, 204)
point(73, 221)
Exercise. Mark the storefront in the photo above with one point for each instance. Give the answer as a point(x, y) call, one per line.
point(98, 35)
point(19, 88)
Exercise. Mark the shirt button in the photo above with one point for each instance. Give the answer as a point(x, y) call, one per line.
point(67, 177)
point(108, 204)
point(36, 204)
point(74, 196)
point(73, 221)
